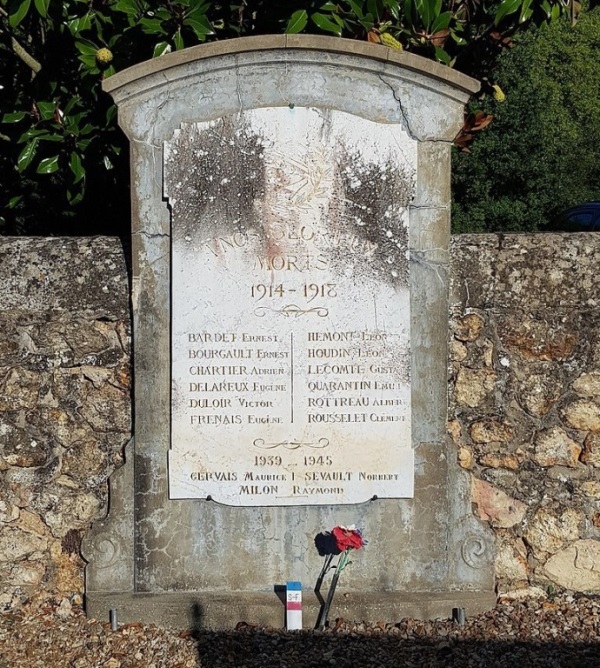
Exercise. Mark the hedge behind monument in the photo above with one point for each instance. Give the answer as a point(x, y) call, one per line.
point(542, 151)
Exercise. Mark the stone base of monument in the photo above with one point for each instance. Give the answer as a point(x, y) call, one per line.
point(110, 575)
point(215, 610)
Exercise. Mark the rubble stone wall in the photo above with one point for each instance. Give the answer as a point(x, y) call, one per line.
point(524, 382)
point(64, 405)
point(525, 401)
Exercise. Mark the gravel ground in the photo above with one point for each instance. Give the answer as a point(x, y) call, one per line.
point(563, 633)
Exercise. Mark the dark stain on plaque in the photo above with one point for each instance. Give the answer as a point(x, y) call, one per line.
point(374, 199)
point(213, 176)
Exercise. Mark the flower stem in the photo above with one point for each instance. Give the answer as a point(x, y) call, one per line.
point(322, 620)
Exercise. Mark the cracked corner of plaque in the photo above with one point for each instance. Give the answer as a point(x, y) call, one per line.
point(108, 545)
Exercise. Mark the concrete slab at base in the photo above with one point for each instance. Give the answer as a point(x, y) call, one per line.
point(215, 610)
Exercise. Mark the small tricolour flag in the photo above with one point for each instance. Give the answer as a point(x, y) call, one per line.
point(293, 605)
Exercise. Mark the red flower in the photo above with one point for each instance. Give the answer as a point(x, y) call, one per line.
point(347, 538)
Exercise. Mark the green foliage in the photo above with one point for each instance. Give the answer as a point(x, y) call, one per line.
point(63, 167)
point(542, 151)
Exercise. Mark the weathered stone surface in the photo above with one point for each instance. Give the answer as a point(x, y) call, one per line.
point(458, 351)
point(553, 447)
point(537, 393)
point(468, 327)
point(26, 451)
point(74, 275)
point(549, 530)
point(538, 339)
point(495, 506)
point(86, 462)
point(473, 386)
point(490, 430)
point(23, 574)
point(522, 593)
point(511, 560)
point(591, 488)
point(455, 431)
point(582, 414)
point(8, 511)
point(591, 450)
point(49, 325)
point(63, 425)
point(16, 544)
point(19, 388)
point(577, 567)
point(65, 509)
point(503, 460)
point(31, 522)
point(66, 566)
point(465, 458)
point(588, 384)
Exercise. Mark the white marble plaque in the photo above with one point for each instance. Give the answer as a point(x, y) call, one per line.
point(290, 308)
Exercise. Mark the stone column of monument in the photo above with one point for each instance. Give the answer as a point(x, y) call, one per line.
point(291, 204)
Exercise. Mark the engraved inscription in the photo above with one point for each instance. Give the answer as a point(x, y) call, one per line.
point(291, 311)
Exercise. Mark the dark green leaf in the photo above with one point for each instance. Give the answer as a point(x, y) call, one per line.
point(89, 62)
point(48, 165)
point(76, 167)
point(441, 22)
point(14, 117)
point(50, 137)
point(127, 7)
point(426, 11)
point(13, 201)
point(367, 23)
point(375, 7)
point(152, 26)
point(394, 8)
point(27, 154)
point(326, 24)
point(442, 55)
point(75, 198)
point(200, 26)
point(161, 48)
point(546, 8)
point(86, 48)
point(297, 22)
point(85, 22)
point(526, 11)
point(87, 129)
point(356, 8)
point(42, 7)
point(46, 110)
point(178, 41)
point(506, 8)
point(17, 11)
point(30, 134)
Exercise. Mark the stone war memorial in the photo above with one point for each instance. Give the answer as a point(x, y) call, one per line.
point(290, 325)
